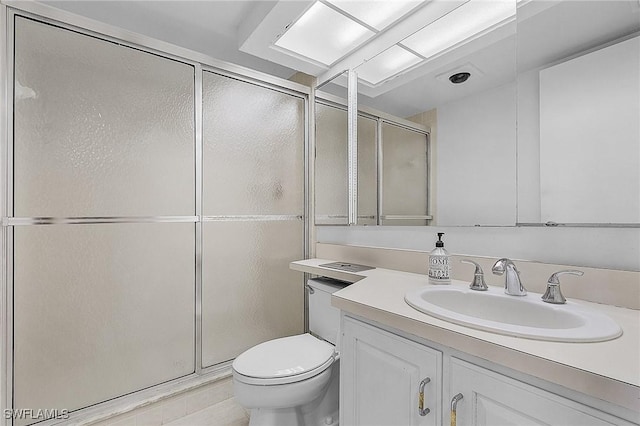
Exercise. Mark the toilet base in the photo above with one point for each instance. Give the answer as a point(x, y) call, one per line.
point(290, 417)
point(322, 411)
point(271, 416)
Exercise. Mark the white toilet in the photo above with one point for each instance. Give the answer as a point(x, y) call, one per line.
point(294, 381)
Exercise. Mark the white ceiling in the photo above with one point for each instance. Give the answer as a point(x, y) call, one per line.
point(547, 31)
point(209, 27)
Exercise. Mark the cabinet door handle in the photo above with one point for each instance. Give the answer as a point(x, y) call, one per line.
point(454, 406)
point(421, 410)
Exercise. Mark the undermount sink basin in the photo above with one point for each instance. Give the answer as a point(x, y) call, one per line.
point(527, 316)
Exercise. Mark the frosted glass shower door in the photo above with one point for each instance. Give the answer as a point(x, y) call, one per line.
point(101, 219)
point(253, 207)
point(101, 311)
point(100, 129)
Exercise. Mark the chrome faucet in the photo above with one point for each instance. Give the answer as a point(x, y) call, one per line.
point(478, 283)
point(553, 293)
point(512, 284)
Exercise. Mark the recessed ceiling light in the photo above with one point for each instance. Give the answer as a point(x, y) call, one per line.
point(472, 70)
point(387, 64)
point(323, 35)
point(377, 14)
point(470, 19)
point(460, 77)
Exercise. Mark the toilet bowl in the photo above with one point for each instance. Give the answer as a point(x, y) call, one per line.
point(288, 381)
point(294, 381)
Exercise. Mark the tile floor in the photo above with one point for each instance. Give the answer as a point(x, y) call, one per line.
point(212, 404)
point(224, 413)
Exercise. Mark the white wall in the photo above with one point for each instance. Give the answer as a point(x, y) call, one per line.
point(476, 182)
point(612, 248)
point(529, 147)
point(590, 137)
point(612, 144)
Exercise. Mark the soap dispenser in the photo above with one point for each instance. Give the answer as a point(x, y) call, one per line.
point(439, 268)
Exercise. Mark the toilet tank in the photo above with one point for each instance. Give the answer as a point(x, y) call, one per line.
point(324, 319)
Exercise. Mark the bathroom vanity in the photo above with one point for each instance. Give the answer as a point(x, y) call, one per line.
point(473, 390)
point(391, 352)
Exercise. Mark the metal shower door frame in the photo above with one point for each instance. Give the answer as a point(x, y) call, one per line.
point(85, 26)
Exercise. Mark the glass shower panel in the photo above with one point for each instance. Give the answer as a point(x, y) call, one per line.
point(404, 176)
point(253, 165)
point(331, 167)
point(253, 156)
point(101, 311)
point(249, 294)
point(100, 129)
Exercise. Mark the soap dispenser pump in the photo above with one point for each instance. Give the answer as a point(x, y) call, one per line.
point(439, 267)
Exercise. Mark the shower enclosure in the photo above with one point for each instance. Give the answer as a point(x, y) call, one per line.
point(151, 204)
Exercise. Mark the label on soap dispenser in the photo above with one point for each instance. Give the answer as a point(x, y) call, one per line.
point(439, 270)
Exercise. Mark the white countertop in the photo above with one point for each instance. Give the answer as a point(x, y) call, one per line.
point(606, 370)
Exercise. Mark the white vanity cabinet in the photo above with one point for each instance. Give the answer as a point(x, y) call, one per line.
point(381, 374)
point(491, 399)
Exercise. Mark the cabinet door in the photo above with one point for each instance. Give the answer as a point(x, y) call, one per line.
point(381, 375)
point(493, 399)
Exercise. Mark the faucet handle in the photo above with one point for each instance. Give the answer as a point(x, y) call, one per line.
point(553, 293)
point(478, 277)
point(553, 279)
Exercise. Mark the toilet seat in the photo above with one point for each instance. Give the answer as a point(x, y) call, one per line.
point(285, 360)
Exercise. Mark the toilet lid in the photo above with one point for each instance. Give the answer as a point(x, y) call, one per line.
point(284, 357)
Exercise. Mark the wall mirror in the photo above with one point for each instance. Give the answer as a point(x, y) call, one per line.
point(390, 152)
point(331, 165)
point(335, 163)
point(469, 172)
point(403, 168)
point(578, 109)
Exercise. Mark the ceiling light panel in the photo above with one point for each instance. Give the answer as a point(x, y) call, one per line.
point(470, 19)
point(387, 64)
point(323, 35)
point(377, 14)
